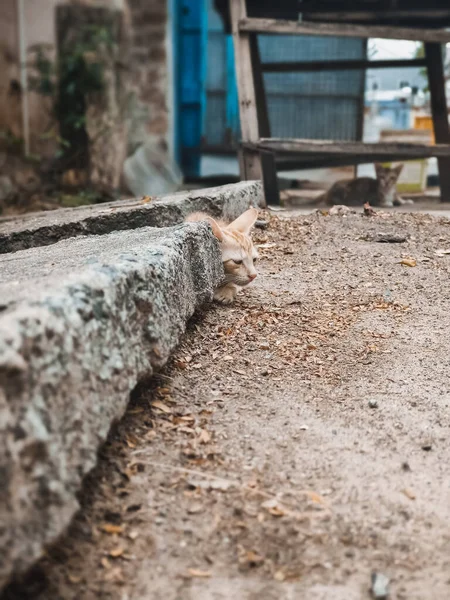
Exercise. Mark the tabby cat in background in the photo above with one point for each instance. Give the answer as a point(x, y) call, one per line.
point(377, 192)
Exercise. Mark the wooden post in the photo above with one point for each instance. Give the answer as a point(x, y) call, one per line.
point(268, 166)
point(251, 162)
point(436, 82)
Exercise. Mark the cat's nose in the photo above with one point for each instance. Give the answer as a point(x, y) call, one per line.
point(252, 276)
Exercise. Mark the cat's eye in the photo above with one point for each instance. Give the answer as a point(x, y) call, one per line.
point(238, 262)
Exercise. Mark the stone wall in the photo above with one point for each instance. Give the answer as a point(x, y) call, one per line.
point(149, 105)
point(150, 111)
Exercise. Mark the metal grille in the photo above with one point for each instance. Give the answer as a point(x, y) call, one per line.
point(322, 105)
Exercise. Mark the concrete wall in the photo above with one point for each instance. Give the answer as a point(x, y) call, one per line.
point(151, 97)
point(39, 29)
point(151, 110)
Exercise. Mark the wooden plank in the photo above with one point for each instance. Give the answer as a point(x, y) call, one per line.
point(343, 30)
point(371, 6)
point(436, 83)
point(405, 17)
point(246, 90)
point(315, 161)
point(340, 65)
point(328, 147)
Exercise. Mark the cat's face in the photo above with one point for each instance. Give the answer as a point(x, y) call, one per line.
point(387, 178)
point(238, 253)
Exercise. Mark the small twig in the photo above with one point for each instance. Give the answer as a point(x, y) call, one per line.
point(236, 483)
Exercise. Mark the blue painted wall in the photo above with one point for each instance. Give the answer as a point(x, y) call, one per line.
point(398, 112)
point(325, 105)
point(191, 57)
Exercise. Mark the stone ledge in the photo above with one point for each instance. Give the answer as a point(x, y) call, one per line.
point(42, 229)
point(81, 322)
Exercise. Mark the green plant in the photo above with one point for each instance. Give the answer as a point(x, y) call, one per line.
point(79, 72)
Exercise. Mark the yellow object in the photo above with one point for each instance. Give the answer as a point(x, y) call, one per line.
point(424, 122)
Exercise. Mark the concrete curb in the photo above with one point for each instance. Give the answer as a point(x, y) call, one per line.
point(42, 229)
point(81, 322)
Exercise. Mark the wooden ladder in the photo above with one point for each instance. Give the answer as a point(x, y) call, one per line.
point(260, 154)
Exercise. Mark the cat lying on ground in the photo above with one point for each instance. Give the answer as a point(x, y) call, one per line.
point(238, 253)
point(377, 192)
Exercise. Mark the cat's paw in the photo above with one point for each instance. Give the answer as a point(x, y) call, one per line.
point(401, 201)
point(226, 294)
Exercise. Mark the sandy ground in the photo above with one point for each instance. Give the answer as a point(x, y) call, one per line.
point(298, 441)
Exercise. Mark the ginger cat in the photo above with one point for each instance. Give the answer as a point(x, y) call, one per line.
point(238, 253)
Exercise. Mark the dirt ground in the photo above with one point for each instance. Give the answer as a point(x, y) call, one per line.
point(298, 441)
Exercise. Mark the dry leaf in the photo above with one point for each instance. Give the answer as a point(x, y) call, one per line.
point(408, 262)
point(189, 418)
point(146, 199)
point(239, 372)
point(116, 552)
point(368, 210)
point(195, 508)
point(204, 437)
point(409, 494)
point(162, 407)
point(111, 528)
point(74, 578)
point(115, 574)
point(251, 559)
point(228, 357)
point(105, 563)
point(199, 573)
point(186, 430)
point(180, 364)
point(316, 497)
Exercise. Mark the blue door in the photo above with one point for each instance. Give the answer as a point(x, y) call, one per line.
point(191, 56)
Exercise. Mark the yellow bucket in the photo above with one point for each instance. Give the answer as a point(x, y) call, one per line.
point(424, 122)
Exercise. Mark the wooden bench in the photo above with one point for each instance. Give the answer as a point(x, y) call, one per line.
point(261, 155)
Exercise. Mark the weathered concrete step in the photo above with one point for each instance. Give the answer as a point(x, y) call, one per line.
point(42, 229)
point(81, 321)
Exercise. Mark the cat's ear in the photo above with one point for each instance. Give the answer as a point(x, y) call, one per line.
point(379, 168)
point(398, 169)
point(217, 231)
point(244, 222)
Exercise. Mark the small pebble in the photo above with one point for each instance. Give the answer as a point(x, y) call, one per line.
point(261, 224)
point(373, 404)
point(380, 586)
point(405, 466)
